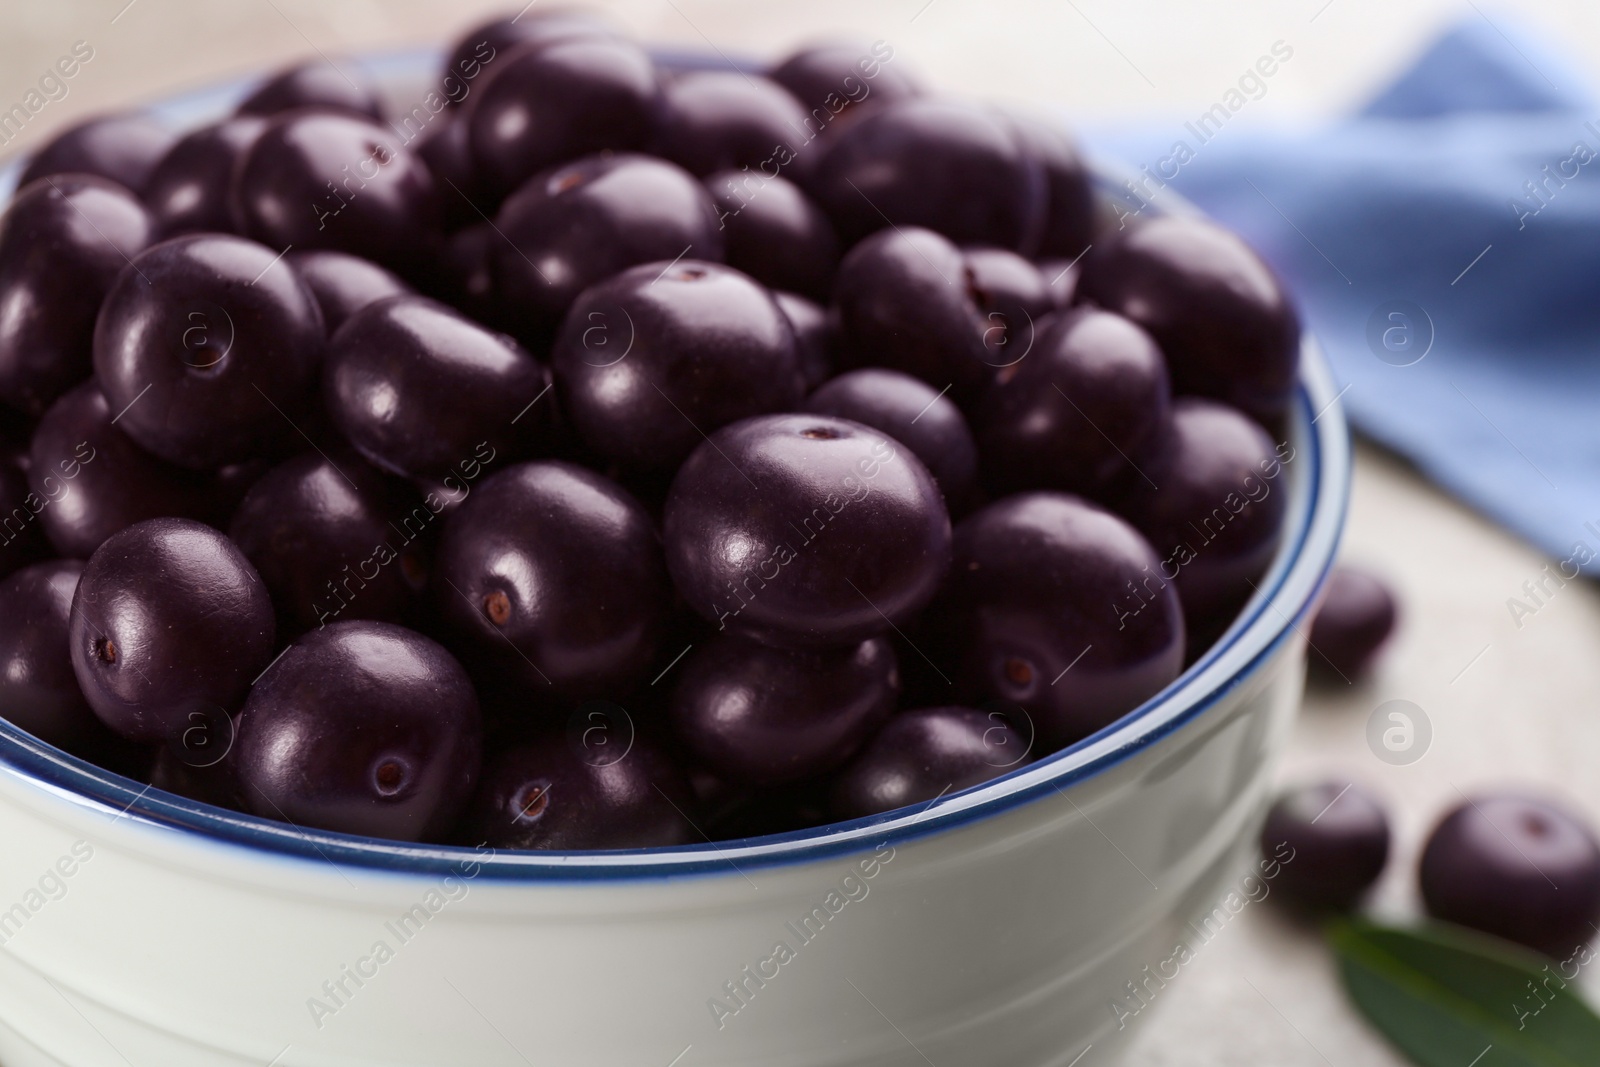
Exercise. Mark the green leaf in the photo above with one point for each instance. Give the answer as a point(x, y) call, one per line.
point(1448, 997)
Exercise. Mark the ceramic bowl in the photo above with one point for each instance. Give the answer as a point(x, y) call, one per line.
point(1032, 921)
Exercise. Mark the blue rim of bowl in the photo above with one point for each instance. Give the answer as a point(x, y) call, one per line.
point(1272, 617)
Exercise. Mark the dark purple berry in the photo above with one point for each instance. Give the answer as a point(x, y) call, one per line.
point(335, 540)
point(123, 148)
point(209, 346)
point(89, 480)
point(466, 275)
point(551, 103)
point(913, 413)
point(1517, 867)
point(816, 336)
point(329, 179)
point(1038, 614)
point(769, 716)
point(553, 793)
point(715, 120)
point(1207, 498)
point(38, 690)
point(1227, 327)
point(805, 531)
point(446, 148)
point(319, 83)
point(343, 284)
point(554, 574)
point(774, 233)
point(925, 754)
point(362, 728)
point(1078, 414)
point(838, 79)
point(189, 190)
point(577, 225)
point(478, 52)
point(1331, 841)
point(1355, 618)
point(418, 389)
point(1062, 276)
point(63, 241)
point(169, 620)
point(22, 536)
point(1069, 193)
point(653, 359)
point(952, 167)
point(1014, 298)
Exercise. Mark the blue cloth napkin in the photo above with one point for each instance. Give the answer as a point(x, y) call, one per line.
point(1444, 243)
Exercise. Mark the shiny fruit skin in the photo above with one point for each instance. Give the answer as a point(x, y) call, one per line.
point(1332, 839)
point(549, 793)
point(915, 414)
point(774, 232)
point(578, 224)
point(169, 620)
point(1069, 192)
point(63, 241)
point(1039, 613)
point(1356, 616)
point(123, 148)
point(767, 716)
point(38, 690)
point(22, 537)
point(553, 574)
point(335, 539)
point(316, 83)
point(713, 120)
point(418, 389)
point(926, 753)
point(816, 335)
point(805, 531)
point(209, 345)
point(840, 79)
point(651, 360)
point(189, 191)
point(1080, 412)
point(477, 53)
point(552, 103)
point(1228, 328)
point(97, 481)
point(361, 728)
point(343, 284)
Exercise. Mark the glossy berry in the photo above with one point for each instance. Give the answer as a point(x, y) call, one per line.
point(905, 303)
point(805, 531)
point(169, 620)
point(924, 754)
point(567, 98)
point(834, 80)
point(1355, 618)
point(951, 167)
point(328, 179)
point(1332, 840)
point(418, 389)
point(713, 120)
point(322, 83)
point(445, 146)
point(62, 243)
point(208, 345)
point(1517, 867)
point(466, 275)
point(1069, 193)
point(554, 574)
point(1227, 327)
point(335, 539)
point(97, 481)
point(768, 716)
point(38, 690)
point(362, 728)
point(122, 148)
point(1014, 298)
point(553, 793)
point(816, 336)
point(579, 224)
point(913, 413)
point(1210, 500)
point(190, 189)
point(22, 539)
point(477, 53)
point(652, 360)
point(1078, 414)
point(774, 233)
point(1062, 276)
point(1048, 609)
point(343, 284)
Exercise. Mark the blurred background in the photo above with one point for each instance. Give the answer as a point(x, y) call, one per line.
point(1509, 701)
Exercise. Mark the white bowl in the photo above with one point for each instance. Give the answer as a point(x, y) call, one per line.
point(1017, 924)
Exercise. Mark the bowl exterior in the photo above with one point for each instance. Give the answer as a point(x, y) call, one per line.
point(1020, 939)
